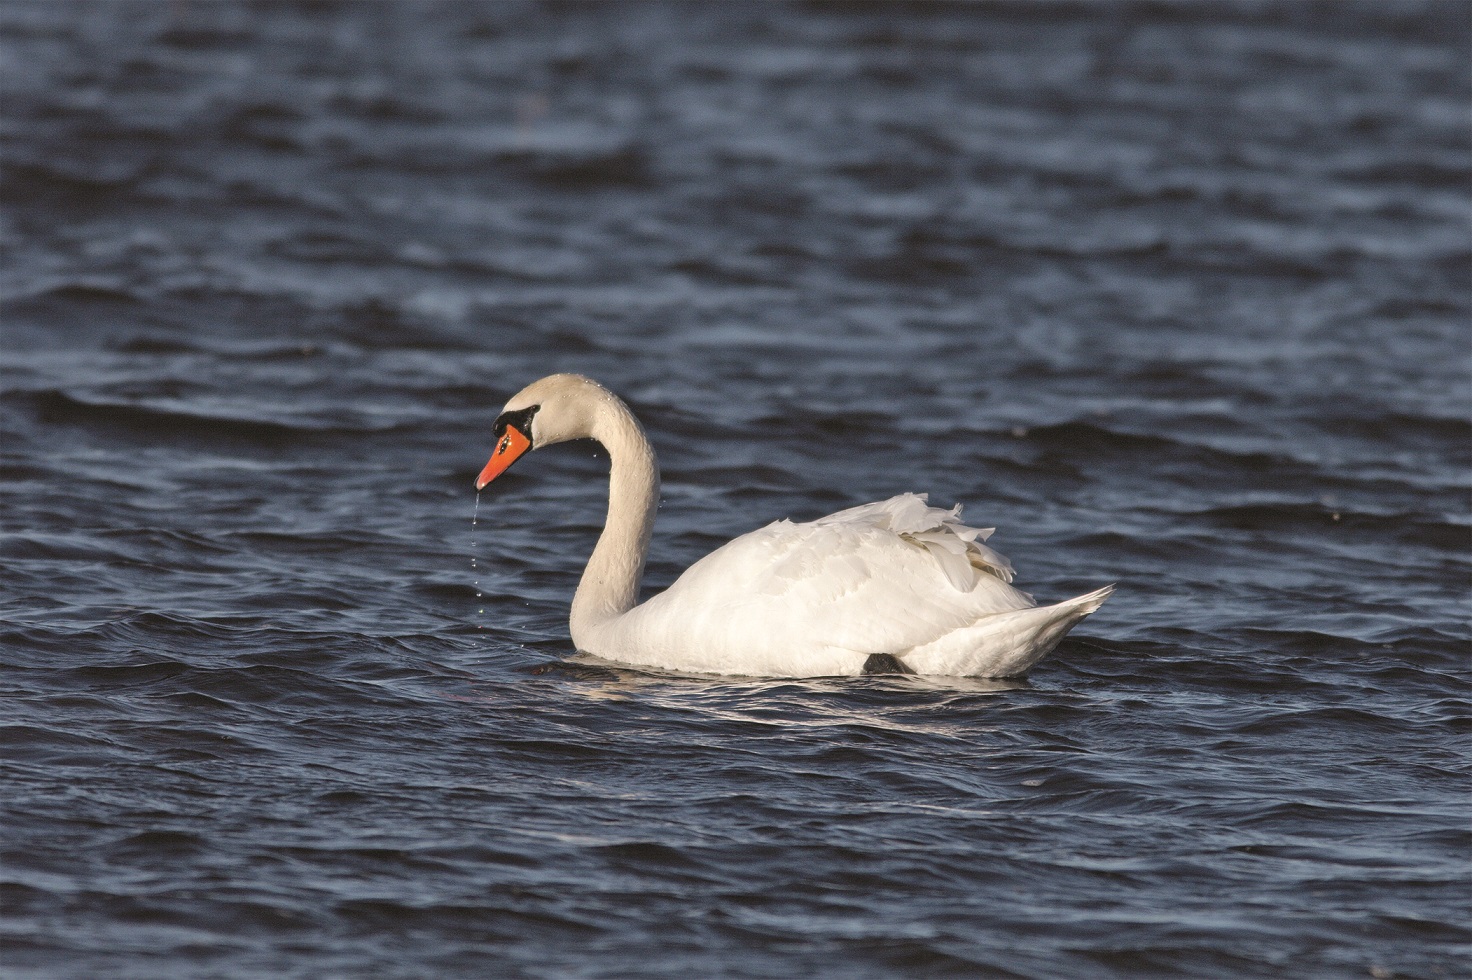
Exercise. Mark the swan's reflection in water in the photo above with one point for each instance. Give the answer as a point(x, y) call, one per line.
point(895, 702)
point(586, 667)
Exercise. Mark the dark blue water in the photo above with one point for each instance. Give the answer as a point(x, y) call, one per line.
point(1177, 296)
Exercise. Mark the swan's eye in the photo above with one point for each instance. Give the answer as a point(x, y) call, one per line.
point(515, 428)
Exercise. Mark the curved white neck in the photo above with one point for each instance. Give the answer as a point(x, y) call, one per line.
point(610, 583)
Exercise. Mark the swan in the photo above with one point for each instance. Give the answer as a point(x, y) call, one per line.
point(895, 586)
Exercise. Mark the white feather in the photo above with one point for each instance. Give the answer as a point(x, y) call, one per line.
point(895, 577)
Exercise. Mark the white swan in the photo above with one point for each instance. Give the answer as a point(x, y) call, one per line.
point(890, 586)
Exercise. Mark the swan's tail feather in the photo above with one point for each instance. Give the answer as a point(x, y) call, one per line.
point(1004, 644)
point(1089, 601)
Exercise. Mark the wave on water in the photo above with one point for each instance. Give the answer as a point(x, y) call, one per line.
point(1175, 296)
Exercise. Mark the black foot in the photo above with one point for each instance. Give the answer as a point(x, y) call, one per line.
point(885, 663)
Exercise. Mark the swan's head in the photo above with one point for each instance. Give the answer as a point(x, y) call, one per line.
point(555, 409)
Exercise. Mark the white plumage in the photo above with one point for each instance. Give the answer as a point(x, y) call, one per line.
point(895, 577)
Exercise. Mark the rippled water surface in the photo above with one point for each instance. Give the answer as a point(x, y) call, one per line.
point(1176, 296)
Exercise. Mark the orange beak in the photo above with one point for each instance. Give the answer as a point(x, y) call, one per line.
point(511, 447)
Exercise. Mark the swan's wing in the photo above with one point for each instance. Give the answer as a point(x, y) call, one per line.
point(881, 578)
point(958, 548)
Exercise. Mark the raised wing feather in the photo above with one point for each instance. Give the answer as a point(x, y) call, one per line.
point(957, 547)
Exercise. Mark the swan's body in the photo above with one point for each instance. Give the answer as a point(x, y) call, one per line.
point(896, 577)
